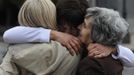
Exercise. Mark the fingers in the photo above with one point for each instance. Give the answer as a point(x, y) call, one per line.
point(93, 50)
point(76, 45)
point(99, 51)
point(94, 53)
point(97, 54)
point(71, 42)
point(71, 51)
point(78, 40)
point(100, 56)
point(91, 46)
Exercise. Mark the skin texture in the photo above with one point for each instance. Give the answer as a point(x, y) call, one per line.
point(94, 49)
point(67, 40)
point(85, 31)
point(73, 43)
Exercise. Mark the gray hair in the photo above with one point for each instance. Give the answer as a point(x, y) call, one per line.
point(108, 27)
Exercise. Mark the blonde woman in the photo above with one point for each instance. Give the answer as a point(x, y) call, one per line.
point(38, 58)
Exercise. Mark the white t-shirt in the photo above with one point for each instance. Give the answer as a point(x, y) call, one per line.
point(21, 34)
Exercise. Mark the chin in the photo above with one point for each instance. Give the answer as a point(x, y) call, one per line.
point(82, 40)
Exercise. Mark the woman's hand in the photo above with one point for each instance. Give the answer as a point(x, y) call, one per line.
point(99, 51)
point(71, 42)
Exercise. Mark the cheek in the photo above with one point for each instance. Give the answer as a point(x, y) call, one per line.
point(85, 35)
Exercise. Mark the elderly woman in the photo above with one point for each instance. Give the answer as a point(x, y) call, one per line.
point(107, 27)
point(38, 58)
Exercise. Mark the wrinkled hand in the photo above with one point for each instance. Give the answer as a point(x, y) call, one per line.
point(99, 51)
point(70, 42)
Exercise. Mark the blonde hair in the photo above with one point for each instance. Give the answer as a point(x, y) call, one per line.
point(38, 13)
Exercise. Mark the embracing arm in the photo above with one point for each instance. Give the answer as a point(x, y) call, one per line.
point(125, 55)
point(122, 53)
point(21, 34)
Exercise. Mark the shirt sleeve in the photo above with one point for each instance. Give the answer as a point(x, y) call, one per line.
point(21, 34)
point(125, 55)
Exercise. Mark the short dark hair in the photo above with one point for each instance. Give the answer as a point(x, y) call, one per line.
point(71, 12)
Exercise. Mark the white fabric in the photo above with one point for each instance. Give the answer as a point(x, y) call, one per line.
point(21, 34)
point(125, 55)
point(28, 34)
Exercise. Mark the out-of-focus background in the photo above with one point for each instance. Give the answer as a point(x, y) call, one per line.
point(9, 11)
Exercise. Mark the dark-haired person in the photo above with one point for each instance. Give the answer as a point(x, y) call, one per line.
point(106, 27)
point(38, 58)
point(70, 15)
